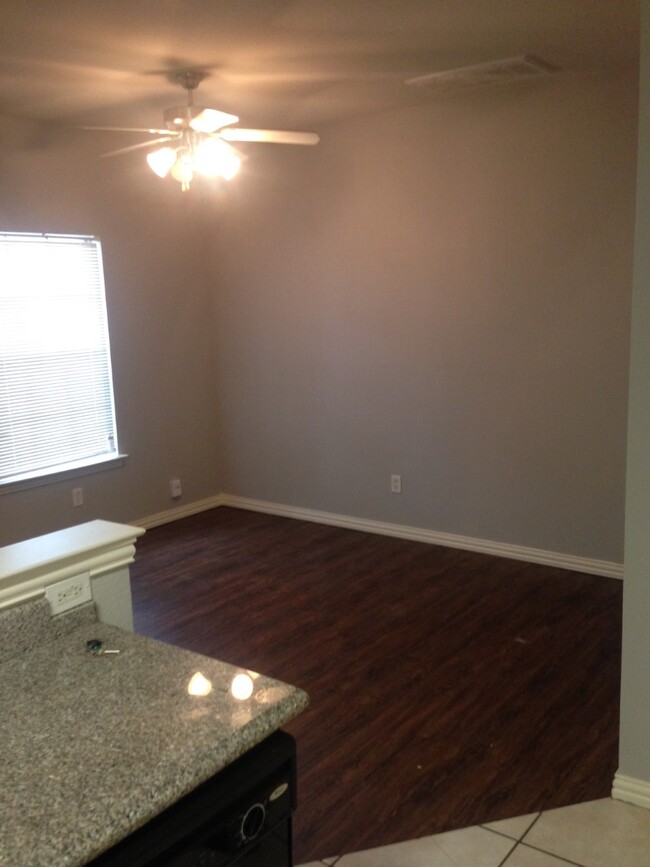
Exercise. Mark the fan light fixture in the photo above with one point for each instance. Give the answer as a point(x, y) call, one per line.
point(195, 154)
point(196, 140)
point(195, 151)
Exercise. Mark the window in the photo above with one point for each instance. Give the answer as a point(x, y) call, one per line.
point(56, 393)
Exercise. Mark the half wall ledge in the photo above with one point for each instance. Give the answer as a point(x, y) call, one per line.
point(100, 549)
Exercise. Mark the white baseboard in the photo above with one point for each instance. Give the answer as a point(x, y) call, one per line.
point(631, 790)
point(179, 512)
point(400, 531)
point(418, 534)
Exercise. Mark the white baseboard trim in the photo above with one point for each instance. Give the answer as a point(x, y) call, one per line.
point(418, 534)
point(400, 531)
point(179, 512)
point(631, 790)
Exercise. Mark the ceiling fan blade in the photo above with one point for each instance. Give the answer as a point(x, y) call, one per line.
point(210, 120)
point(275, 136)
point(143, 144)
point(126, 129)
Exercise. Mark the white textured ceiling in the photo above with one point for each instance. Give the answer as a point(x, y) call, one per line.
point(294, 64)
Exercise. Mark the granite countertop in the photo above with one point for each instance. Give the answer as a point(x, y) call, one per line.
point(94, 746)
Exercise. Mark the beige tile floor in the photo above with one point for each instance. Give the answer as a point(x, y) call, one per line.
point(604, 833)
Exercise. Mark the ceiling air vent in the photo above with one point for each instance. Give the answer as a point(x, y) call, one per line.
point(481, 74)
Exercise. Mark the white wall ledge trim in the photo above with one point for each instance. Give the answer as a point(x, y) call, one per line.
point(99, 548)
point(632, 790)
point(416, 534)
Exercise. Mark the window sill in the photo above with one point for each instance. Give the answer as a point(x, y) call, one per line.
point(61, 473)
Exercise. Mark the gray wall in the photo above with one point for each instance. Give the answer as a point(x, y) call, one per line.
point(441, 292)
point(159, 305)
point(635, 687)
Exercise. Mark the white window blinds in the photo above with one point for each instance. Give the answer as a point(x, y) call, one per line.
point(56, 397)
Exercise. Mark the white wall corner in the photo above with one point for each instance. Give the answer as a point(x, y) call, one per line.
point(631, 790)
point(112, 598)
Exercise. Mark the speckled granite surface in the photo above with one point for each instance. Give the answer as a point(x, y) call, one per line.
point(31, 624)
point(94, 746)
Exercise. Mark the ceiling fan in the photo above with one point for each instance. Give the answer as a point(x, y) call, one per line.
point(196, 140)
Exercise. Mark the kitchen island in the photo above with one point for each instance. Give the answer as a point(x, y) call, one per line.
point(95, 745)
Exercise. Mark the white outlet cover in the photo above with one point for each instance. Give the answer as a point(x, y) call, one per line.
point(69, 593)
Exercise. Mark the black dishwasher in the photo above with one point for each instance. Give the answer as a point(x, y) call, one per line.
point(241, 816)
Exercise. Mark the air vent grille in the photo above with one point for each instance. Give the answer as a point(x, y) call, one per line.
point(482, 74)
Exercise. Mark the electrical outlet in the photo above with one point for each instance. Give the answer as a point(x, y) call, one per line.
point(175, 488)
point(77, 496)
point(69, 593)
point(396, 484)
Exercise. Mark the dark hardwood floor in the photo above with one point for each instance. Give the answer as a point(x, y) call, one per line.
point(447, 688)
